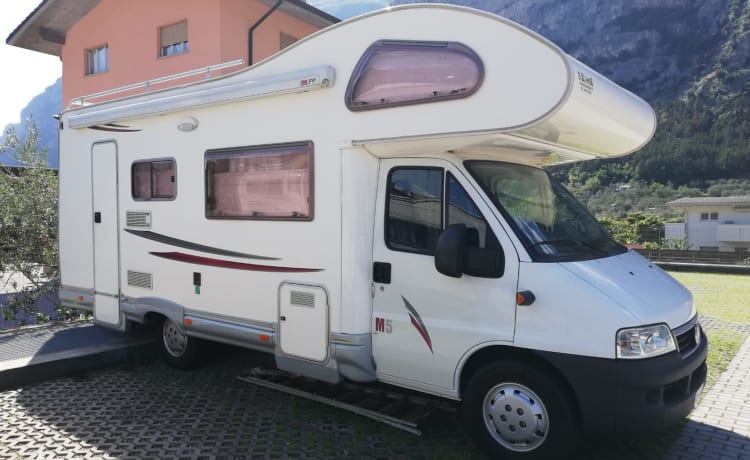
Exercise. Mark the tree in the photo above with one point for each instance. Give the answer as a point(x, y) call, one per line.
point(28, 227)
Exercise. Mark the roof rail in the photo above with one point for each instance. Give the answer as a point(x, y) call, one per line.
point(81, 101)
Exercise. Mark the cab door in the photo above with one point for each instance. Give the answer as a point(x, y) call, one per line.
point(424, 321)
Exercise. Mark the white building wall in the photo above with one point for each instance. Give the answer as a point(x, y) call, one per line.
point(706, 233)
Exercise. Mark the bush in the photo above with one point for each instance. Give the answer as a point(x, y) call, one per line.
point(28, 229)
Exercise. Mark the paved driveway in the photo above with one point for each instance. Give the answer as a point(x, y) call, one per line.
point(148, 410)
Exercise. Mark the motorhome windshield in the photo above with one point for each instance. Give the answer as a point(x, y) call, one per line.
point(551, 223)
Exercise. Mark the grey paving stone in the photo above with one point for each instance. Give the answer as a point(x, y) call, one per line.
point(720, 426)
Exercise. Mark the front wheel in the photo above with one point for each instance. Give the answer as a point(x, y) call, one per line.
point(178, 349)
point(515, 411)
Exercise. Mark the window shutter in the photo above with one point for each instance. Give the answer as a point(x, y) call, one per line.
point(175, 33)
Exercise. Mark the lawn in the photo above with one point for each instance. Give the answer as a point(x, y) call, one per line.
point(723, 303)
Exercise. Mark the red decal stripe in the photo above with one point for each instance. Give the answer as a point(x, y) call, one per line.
point(182, 257)
point(421, 331)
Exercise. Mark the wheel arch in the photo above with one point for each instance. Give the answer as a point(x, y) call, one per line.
point(479, 358)
point(150, 309)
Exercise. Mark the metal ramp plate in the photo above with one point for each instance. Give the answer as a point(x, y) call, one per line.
point(399, 410)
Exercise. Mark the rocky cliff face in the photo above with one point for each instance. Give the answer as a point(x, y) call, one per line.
point(41, 109)
point(658, 49)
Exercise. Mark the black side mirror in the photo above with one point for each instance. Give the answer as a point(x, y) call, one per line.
point(484, 262)
point(449, 253)
point(455, 255)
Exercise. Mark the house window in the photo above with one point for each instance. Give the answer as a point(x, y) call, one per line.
point(97, 60)
point(285, 40)
point(154, 180)
point(709, 216)
point(394, 73)
point(173, 39)
point(263, 182)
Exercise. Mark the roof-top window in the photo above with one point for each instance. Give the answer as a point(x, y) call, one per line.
point(393, 73)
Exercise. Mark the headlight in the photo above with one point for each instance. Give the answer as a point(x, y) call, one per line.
point(644, 342)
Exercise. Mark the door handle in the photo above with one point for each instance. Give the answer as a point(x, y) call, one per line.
point(97, 217)
point(381, 272)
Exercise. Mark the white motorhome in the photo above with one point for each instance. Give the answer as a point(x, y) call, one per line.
point(369, 204)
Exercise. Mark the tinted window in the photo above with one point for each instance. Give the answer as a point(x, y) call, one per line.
point(462, 210)
point(393, 73)
point(153, 180)
point(264, 182)
point(414, 214)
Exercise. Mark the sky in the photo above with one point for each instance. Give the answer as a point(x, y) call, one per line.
point(25, 73)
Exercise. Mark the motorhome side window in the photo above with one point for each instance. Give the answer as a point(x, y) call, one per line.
point(154, 180)
point(263, 182)
point(392, 73)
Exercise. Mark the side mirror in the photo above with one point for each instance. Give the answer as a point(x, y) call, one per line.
point(484, 262)
point(449, 253)
point(454, 255)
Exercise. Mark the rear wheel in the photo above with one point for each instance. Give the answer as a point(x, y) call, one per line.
point(179, 349)
point(515, 411)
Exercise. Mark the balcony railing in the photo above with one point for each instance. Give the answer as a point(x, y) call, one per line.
point(146, 85)
point(733, 233)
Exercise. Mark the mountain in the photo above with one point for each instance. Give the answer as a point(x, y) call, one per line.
point(41, 109)
point(689, 58)
point(656, 48)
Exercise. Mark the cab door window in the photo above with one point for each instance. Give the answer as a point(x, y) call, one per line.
point(422, 202)
point(414, 209)
point(462, 210)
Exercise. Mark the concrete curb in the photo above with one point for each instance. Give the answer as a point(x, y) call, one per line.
point(32, 355)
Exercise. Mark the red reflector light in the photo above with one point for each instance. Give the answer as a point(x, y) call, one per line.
point(188, 321)
point(80, 298)
point(264, 338)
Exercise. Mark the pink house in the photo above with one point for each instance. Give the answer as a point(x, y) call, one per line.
point(106, 44)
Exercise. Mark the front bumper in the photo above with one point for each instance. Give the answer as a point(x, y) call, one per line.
point(622, 396)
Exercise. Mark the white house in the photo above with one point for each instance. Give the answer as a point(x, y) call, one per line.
point(713, 223)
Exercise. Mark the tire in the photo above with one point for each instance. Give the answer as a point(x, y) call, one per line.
point(178, 349)
point(515, 411)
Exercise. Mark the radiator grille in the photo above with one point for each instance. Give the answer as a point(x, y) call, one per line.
point(686, 341)
point(140, 279)
point(302, 299)
point(140, 219)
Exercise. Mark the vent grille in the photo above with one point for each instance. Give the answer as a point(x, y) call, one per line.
point(140, 219)
point(140, 279)
point(686, 341)
point(302, 299)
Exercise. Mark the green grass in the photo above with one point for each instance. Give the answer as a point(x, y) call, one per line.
point(726, 299)
point(722, 296)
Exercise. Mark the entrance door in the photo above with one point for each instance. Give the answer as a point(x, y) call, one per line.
point(423, 321)
point(106, 241)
